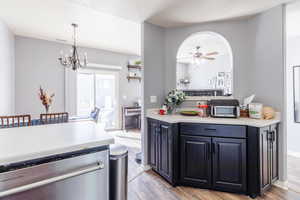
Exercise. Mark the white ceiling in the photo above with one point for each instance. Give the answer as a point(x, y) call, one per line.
point(170, 13)
point(51, 19)
point(115, 24)
point(195, 11)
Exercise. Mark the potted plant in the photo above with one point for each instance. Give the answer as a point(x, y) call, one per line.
point(174, 99)
point(138, 62)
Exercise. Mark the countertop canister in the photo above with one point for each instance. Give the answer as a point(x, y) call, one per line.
point(255, 110)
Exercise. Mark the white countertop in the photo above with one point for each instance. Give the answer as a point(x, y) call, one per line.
point(177, 118)
point(26, 143)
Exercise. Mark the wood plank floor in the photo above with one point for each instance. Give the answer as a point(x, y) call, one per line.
point(293, 167)
point(150, 186)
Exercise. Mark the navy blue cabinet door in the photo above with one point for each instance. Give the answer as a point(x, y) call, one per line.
point(153, 127)
point(165, 147)
point(195, 161)
point(229, 164)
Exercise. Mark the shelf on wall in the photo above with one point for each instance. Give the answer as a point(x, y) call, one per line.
point(134, 67)
point(134, 78)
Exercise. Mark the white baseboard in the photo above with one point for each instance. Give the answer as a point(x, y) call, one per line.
point(282, 184)
point(293, 153)
point(146, 167)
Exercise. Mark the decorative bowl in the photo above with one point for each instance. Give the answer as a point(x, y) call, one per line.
point(189, 113)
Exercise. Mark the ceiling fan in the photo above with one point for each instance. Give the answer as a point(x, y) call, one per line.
point(198, 54)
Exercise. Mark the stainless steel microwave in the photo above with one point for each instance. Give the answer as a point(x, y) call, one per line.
point(225, 108)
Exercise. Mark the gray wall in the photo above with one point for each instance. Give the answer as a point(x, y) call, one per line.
point(235, 31)
point(37, 64)
point(257, 46)
point(153, 82)
point(266, 70)
point(267, 76)
point(7, 67)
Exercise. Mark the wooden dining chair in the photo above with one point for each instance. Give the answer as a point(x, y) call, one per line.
point(54, 118)
point(15, 121)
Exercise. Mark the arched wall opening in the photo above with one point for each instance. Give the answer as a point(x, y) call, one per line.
point(205, 61)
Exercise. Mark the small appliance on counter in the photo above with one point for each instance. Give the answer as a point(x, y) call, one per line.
point(225, 108)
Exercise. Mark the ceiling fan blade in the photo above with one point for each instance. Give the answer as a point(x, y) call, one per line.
point(185, 57)
point(208, 58)
point(212, 53)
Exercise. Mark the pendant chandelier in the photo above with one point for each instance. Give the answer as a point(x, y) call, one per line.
point(73, 60)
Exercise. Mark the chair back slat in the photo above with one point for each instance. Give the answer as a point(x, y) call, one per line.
point(10, 121)
point(53, 118)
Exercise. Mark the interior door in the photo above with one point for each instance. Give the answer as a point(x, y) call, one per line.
point(229, 164)
point(196, 161)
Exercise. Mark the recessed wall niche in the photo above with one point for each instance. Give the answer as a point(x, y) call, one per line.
point(205, 62)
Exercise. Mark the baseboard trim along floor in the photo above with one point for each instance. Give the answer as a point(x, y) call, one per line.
point(282, 184)
point(294, 154)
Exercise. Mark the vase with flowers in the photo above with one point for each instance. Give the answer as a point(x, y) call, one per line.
point(174, 99)
point(46, 99)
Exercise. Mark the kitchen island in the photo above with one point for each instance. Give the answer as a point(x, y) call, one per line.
point(234, 155)
point(68, 161)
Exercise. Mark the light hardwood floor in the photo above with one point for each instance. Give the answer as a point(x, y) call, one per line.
point(293, 167)
point(150, 186)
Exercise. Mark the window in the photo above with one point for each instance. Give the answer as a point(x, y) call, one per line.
point(85, 94)
point(99, 89)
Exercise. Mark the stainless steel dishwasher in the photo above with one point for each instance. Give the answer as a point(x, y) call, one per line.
point(81, 175)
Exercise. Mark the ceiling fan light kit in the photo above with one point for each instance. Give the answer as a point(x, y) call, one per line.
point(199, 57)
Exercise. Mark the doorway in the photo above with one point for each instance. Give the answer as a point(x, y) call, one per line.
point(292, 94)
point(99, 89)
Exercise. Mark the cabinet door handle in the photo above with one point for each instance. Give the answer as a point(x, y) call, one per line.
point(269, 135)
point(97, 166)
point(273, 136)
point(210, 129)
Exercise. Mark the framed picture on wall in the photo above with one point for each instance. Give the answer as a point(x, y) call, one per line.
point(296, 77)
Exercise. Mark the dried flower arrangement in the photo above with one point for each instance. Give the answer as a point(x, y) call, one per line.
point(46, 99)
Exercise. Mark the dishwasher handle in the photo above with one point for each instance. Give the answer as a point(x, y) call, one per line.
point(23, 188)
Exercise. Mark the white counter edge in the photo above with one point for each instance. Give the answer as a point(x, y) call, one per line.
point(38, 155)
point(153, 113)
